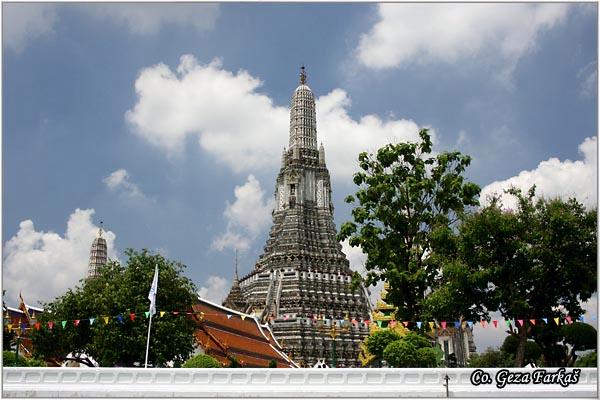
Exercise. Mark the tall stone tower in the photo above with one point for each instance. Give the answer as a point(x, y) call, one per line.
point(301, 282)
point(98, 255)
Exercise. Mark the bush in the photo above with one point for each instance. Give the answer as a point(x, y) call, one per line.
point(427, 357)
point(401, 354)
point(492, 359)
point(589, 360)
point(378, 341)
point(8, 360)
point(202, 361)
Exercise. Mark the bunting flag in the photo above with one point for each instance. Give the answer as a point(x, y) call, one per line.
point(37, 326)
point(470, 323)
point(457, 324)
point(495, 322)
point(379, 323)
point(405, 323)
point(63, 323)
point(76, 322)
point(443, 324)
point(132, 316)
point(23, 327)
point(507, 321)
point(556, 321)
point(243, 317)
point(392, 323)
point(520, 321)
point(175, 312)
point(50, 325)
point(162, 313)
point(580, 318)
point(105, 320)
point(120, 318)
point(532, 321)
point(147, 314)
point(483, 323)
point(10, 327)
point(229, 316)
point(431, 325)
point(545, 320)
point(92, 321)
point(419, 324)
point(569, 320)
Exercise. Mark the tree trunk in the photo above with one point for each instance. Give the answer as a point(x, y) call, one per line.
point(520, 356)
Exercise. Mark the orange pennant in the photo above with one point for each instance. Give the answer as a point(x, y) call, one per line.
point(532, 321)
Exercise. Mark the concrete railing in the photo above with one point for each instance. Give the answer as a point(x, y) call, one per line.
point(288, 383)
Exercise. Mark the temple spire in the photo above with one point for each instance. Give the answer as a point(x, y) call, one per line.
point(302, 75)
point(98, 254)
point(303, 119)
point(236, 278)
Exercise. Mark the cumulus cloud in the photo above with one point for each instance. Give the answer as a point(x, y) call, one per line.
point(215, 289)
point(247, 217)
point(199, 100)
point(555, 178)
point(24, 22)
point(120, 181)
point(448, 33)
point(357, 260)
point(45, 264)
point(149, 18)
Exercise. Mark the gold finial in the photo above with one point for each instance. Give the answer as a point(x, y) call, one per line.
point(100, 229)
point(302, 75)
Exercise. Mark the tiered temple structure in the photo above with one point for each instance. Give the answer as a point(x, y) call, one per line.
point(302, 281)
point(98, 255)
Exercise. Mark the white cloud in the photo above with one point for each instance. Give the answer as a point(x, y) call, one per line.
point(240, 126)
point(357, 260)
point(215, 290)
point(120, 181)
point(248, 216)
point(448, 33)
point(24, 22)
point(45, 264)
point(149, 18)
point(555, 178)
point(588, 80)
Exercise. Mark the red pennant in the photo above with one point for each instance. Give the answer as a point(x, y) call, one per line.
point(520, 321)
point(51, 324)
point(37, 326)
point(132, 316)
point(76, 322)
point(495, 323)
point(443, 324)
point(569, 320)
point(532, 321)
point(367, 321)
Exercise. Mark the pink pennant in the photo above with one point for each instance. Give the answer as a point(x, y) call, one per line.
point(520, 321)
point(569, 320)
point(405, 323)
point(495, 323)
point(483, 323)
point(76, 322)
point(443, 324)
point(51, 324)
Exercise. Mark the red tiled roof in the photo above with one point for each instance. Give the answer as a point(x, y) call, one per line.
point(251, 343)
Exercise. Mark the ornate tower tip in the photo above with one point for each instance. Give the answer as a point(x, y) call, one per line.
point(302, 75)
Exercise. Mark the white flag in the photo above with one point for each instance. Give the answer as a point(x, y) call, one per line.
point(153, 289)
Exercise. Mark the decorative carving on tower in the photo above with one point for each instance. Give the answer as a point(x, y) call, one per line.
point(302, 280)
point(98, 254)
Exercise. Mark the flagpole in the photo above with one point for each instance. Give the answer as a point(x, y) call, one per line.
point(148, 342)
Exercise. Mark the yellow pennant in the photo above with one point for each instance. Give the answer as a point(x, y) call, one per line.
point(243, 317)
point(431, 324)
point(105, 320)
point(556, 320)
point(162, 313)
point(9, 327)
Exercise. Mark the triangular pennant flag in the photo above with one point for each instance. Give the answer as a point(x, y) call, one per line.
point(556, 321)
point(353, 321)
point(532, 321)
point(23, 327)
point(495, 322)
point(507, 321)
point(228, 316)
point(379, 323)
point(419, 324)
point(37, 326)
point(147, 313)
point(431, 325)
point(120, 318)
point(393, 323)
point(569, 320)
point(520, 321)
point(483, 323)
point(175, 312)
point(545, 320)
point(132, 316)
point(92, 321)
point(51, 325)
point(63, 323)
point(470, 323)
point(405, 323)
point(76, 322)
point(162, 313)
point(581, 318)
point(443, 324)
point(10, 327)
point(457, 324)
point(367, 321)
point(105, 320)
point(243, 317)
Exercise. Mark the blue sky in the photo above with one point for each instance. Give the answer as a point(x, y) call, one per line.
point(167, 121)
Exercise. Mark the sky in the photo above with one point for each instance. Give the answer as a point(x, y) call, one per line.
point(166, 121)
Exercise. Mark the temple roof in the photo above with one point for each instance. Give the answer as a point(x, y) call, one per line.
point(224, 333)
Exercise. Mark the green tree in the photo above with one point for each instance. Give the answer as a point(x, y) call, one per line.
point(579, 337)
point(8, 360)
point(538, 261)
point(588, 360)
point(532, 350)
point(202, 361)
point(406, 198)
point(378, 341)
point(118, 291)
point(492, 359)
point(412, 351)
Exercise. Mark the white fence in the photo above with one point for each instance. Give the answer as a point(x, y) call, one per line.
point(279, 383)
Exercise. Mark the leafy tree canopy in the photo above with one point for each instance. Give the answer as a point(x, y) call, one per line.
point(412, 351)
point(492, 359)
point(406, 198)
point(120, 290)
point(378, 341)
point(202, 361)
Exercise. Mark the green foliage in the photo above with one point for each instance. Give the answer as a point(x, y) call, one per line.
point(588, 360)
point(8, 360)
point(530, 262)
point(378, 341)
point(532, 351)
point(234, 363)
point(412, 351)
point(492, 359)
point(273, 364)
point(121, 289)
point(407, 201)
point(579, 335)
point(201, 361)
